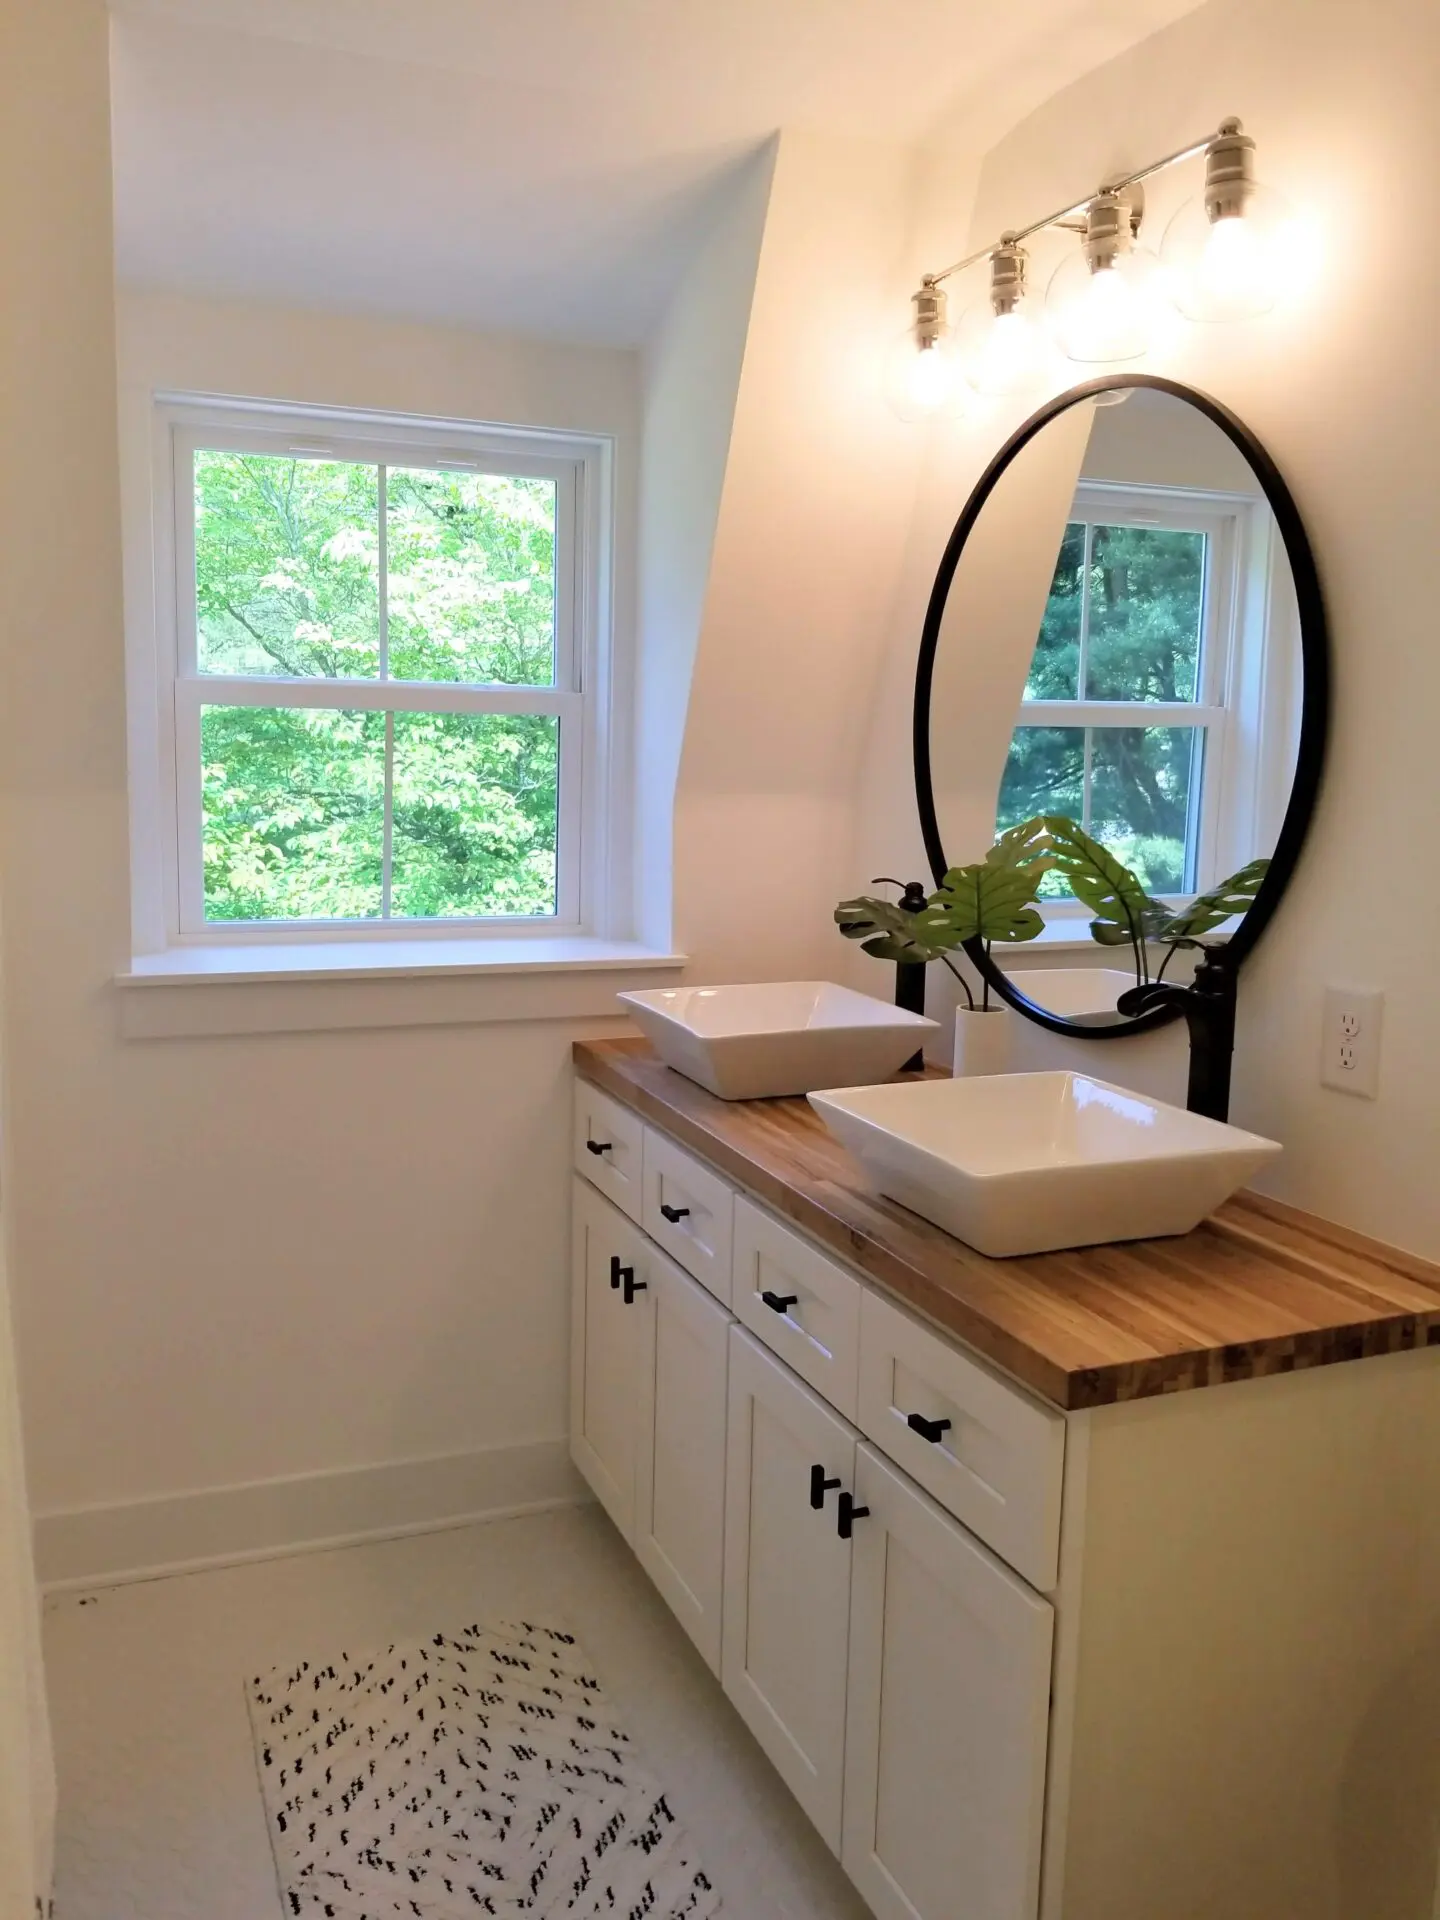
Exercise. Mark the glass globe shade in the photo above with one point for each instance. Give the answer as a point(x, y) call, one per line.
point(924, 383)
point(1004, 354)
point(1228, 269)
point(1109, 314)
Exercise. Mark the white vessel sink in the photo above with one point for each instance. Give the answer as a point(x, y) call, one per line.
point(759, 1042)
point(1032, 1162)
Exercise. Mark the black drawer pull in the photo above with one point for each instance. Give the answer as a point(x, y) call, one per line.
point(599, 1146)
point(674, 1214)
point(930, 1430)
point(617, 1272)
point(849, 1513)
point(819, 1487)
point(779, 1302)
point(632, 1286)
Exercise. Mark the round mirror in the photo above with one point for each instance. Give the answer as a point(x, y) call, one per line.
point(1126, 640)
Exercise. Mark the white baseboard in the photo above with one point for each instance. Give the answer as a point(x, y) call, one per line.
point(224, 1526)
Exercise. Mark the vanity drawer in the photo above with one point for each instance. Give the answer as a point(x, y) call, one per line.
point(689, 1211)
point(608, 1146)
point(811, 1317)
point(982, 1448)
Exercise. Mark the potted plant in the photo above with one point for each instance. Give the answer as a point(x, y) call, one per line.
point(992, 899)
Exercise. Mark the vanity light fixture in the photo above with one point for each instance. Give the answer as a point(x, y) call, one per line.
point(1004, 350)
point(1222, 258)
point(1224, 250)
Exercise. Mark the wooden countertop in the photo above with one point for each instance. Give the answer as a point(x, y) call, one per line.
point(1260, 1288)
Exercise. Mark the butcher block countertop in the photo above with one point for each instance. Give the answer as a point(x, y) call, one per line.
point(1259, 1288)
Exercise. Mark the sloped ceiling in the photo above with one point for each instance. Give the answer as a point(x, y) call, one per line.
point(535, 166)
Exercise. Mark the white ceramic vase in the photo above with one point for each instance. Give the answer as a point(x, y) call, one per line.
point(982, 1041)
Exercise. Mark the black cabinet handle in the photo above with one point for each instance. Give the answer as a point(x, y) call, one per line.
point(632, 1286)
point(673, 1214)
point(849, 1513)
point(779, 1302)
point(930, 1430)
point(617, 1272)
point(599, 1146)
point(819, 1487)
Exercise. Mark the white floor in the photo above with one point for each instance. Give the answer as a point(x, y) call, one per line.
point(160, 1811)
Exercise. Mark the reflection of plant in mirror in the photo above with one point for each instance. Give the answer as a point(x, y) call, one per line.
point(1125, 914)
point(990, 900)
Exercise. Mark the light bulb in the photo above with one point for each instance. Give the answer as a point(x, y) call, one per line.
point(1107, 312)
point(1226, 252)
point(1003, 354)
point(932, 378)
point(1003, 350)
point(922, 378)
point(1231, 268)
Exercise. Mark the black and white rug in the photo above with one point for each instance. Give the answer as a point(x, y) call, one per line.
point(480, 1772)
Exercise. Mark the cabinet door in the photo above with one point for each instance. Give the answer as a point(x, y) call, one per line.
point(787, 1576)
point(948, 1714)
point(605, 1352)
point(680, 1477)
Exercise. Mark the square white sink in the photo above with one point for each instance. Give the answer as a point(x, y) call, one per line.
point(764, 1041)
point(1032, 1162)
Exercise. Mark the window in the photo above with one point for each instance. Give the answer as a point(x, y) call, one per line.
point(1128, 715)
point(381, 689)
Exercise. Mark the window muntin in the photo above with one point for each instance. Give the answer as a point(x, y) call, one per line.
point(1123, 723)
point(379, 708)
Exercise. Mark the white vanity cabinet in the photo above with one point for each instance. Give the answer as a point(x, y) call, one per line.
point(787, 1576)
point(1166, 1654)
point(947, 1713)
point(895, 1671)
point(648, 1365)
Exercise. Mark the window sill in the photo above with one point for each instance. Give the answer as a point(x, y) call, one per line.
point(1070, 934)
point(309, 986)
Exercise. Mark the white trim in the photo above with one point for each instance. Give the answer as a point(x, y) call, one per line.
point(344, 960)
point(127, 1541)
point(586, 696)
point(331, 985)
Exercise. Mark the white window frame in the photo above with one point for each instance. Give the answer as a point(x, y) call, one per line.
point(1233, 654)
point(582, 697)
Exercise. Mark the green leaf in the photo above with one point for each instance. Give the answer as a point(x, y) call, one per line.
point(1027, 846)
point(1210, 910)
point(992, 900)
point(890, 933)
point(1101, 882)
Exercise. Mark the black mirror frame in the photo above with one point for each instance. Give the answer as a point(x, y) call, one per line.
point(1314, 707)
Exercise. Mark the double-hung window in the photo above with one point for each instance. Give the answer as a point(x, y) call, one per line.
point(380, 689)
point(1133, 719)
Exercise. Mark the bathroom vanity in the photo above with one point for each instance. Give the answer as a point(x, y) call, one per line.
point(1099, 1585)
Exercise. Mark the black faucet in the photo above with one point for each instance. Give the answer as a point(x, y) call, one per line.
point(1208, 1004)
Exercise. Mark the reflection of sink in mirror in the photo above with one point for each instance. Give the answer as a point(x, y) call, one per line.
point(759, 1040)
point(1156, 1064)
point(1031, 1163)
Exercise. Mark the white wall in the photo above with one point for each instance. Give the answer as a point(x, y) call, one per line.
point(288, 1254)
point(691, 375)
point(1340, 386)
point(812, 525)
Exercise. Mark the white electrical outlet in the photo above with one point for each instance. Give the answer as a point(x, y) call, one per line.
point(1350, 1042)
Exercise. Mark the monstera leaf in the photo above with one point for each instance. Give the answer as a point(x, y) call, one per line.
point(992, 900)
point(1103, 884)
point(889, 932)
point(1210, 910)
point(1027, 846)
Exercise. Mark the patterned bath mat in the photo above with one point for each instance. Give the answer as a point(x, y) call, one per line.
point(481, 1772)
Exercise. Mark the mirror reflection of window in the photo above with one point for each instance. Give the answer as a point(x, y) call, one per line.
point(1160, 697)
